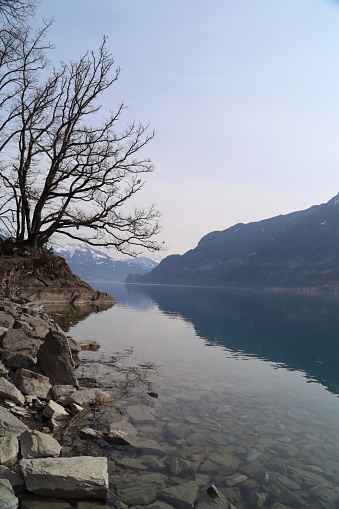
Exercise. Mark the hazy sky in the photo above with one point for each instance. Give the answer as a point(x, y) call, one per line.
point(243, 96)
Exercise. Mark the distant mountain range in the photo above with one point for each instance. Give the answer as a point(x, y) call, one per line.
point(297, 250)
point(94, 265)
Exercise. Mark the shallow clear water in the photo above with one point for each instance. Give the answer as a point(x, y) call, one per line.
point(242, 378)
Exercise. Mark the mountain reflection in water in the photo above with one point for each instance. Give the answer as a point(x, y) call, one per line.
point(293, 330)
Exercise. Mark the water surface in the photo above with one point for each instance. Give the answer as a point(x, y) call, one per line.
point(243, 378)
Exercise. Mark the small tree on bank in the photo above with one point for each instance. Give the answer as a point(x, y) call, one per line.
point(62, 171)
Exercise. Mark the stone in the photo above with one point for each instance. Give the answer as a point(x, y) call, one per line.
point(8, 500)
point(55, 360)
point(180, 466)
point(89, 345)
point(59, 391)
point(95, 504)
point(10, 425)
point(16, 340)
point(235, 479)
point(19, 411)
point(16, 480)
point(289, 483)
point(133, 463)
point(34, 444)
point(123, 432)
point(88, 397)
point(212, 498)
point(140, 413)
point(75, 409)
point(257, 500)
point(137, 489)
point(78, 477)
point(3, 370)
point(54, 411)
point(32, 383)
point(9, 450)
point(90, 434)
point(17, 360)
point(181, 496)
point(9, 391)
point(36, 502)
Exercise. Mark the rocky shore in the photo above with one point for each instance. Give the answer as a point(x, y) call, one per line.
point(67, 444)
point(40, 398)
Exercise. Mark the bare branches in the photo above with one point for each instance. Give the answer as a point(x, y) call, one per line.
point(70, 169)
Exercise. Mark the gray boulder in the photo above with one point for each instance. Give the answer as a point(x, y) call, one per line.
point(181, 496)
point(8, 500)
point(35, 502)
point(137, 489)
point(16, 480)
point(88, 397)
point(30, 382)
point(34, 444)
point(60, 391)
point(78, 477)
point(17, 360)
point(9, 391)
point(123, 432)
point(16, 340)
point(55, 360)
point(54, 411)
point(10, 425)
point(9, 450)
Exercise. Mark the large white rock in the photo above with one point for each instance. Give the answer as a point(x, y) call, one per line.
point(54, 411)
point(9, 391)
point(9, 424)
point(7, 498)
point(77, 477)
point(35, 444)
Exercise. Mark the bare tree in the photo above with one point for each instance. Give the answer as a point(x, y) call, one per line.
point(13, 12)
point(62, 171)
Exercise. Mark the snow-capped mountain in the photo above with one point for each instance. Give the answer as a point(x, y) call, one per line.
point(94, 265)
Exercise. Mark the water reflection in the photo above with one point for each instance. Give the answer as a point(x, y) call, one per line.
point(297, 331)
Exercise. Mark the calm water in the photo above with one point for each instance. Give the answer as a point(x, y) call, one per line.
point(243, 378)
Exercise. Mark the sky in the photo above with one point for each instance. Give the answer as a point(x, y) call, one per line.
point(243, 96)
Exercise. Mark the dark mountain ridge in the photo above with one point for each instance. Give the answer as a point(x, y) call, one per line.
point(296, 250)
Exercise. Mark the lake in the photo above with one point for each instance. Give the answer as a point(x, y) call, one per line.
point(239, 387)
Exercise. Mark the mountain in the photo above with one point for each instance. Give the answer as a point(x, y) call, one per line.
point(92, 264)
point(297, 250)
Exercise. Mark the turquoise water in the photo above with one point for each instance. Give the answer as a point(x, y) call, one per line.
point(247, 376)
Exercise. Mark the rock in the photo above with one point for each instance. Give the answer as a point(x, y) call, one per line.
point(140, 413)
point(181, 496)
point(3, 370)
point(16, 340)
point(289, 483)
point(89, 345)
point(123, 432)
point(75, 409)
point(180, 466)
point(19, 411)
point(16, 480)
point(235, 479)
point(54, 411)
point(135, 489)
point(9, 450)
point(36, 502)
point(17, 360)
point(34, 444)
point(257, 500)
point(90, 434)
point(78, 477)
point(8, 500)
point(9, 391)
point(133, 463)
point(10, 425)
point(60, 391)
point(212, 498)
point(95, 504)
point(87, 397)
point(55, 360)
point(32, 383)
